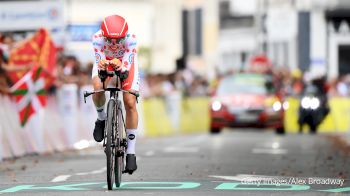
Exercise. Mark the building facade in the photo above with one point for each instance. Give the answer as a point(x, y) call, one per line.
point(311, 35)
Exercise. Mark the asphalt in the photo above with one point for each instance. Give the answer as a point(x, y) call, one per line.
point(235, 162)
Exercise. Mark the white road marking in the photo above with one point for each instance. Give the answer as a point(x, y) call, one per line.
point(269, 151)
point(273, 144)
point(82, 174)
point(61, 178)
point(99, 171)
point(181, 149)
point(149, 153)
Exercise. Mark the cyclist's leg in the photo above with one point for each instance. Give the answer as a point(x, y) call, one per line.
point(99, 100)
point(131, 120)
point(132, 84)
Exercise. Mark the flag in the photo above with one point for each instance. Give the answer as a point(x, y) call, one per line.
point(38, 49)
point(29, 93)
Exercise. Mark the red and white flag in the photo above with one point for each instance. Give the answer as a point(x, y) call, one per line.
point(29, 89)
point(38, 49)
point(29, 93)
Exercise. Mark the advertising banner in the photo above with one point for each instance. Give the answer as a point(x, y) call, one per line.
point(30, 15)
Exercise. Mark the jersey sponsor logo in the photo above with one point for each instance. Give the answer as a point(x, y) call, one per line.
point(131, 58)
point(98, 57)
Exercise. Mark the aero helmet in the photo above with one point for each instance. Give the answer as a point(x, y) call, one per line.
point(114, 27)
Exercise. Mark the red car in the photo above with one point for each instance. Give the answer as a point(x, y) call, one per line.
point(246, 100)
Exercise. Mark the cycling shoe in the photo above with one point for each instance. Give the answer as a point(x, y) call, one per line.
point(130, 163)
point(99, 130)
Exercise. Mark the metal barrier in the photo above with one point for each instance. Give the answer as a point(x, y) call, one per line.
point(61, 125)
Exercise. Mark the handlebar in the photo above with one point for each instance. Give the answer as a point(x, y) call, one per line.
point(87, 94)
point(103, 74)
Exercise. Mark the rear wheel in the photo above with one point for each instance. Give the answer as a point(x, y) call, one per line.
point(110, 149)
point(119, 164)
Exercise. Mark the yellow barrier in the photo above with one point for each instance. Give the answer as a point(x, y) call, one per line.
point(194, 116)
point(157, 122)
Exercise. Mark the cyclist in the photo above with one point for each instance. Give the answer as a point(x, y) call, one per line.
point(115, 47)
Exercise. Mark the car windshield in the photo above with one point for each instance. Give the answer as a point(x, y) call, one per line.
point(243, 83)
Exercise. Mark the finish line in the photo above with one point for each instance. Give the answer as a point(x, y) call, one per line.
point(215, 186)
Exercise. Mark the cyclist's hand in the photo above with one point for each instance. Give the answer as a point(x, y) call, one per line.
point(124, 75)
point(116, 64)
point(102, 65)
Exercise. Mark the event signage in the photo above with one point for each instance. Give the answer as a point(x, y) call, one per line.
point(25, 15)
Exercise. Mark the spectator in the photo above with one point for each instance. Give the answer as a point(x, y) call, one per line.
point(84, 74)
point(68, 70)
point(4, 83)
point(342, 87)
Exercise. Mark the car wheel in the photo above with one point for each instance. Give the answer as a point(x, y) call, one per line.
point(280, 131)
point(215, 130)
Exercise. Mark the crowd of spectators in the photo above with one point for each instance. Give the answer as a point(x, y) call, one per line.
point(292, 82)
point(186, 82)
point(70, 70)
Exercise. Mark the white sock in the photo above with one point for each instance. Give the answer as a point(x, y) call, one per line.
point(101, 114)
point(131, 139)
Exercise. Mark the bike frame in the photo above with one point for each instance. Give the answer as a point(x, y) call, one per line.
point(114, 143)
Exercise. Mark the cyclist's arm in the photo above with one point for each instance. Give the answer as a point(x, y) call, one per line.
point(130, 53)
point(97, 42)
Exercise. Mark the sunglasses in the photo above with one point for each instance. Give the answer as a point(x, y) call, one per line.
point(116, 41)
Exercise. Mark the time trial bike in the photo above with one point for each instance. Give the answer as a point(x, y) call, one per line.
point(114, 141)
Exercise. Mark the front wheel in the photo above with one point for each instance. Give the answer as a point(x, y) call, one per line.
point(119, 164)
point(110, 149)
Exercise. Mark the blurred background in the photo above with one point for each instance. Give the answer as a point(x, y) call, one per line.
point(185, 48)
point(231, 90)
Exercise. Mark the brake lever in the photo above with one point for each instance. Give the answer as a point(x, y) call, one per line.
point(137, 95)
point(86, 94)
